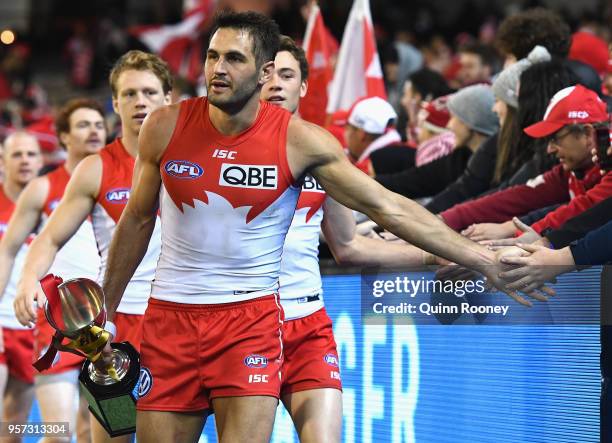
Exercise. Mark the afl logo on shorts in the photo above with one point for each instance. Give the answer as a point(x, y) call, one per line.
point(256, 361)
point(118, 195)
point(145, 382)
point(331, 360)
point(183, 169)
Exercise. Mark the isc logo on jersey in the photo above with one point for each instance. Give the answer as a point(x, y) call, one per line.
point(183, 169)
point(256, 361)
point(249, 176)
point(118, 195)
point(311, 185)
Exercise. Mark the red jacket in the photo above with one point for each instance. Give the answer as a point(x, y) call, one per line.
point(553, 187)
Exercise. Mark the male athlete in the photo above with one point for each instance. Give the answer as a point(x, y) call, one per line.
point(224, 172)
point(311, 386)
point(81, 130)
point(21, 160)
point(100, 188)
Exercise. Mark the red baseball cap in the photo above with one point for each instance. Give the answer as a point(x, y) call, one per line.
point(589, 49)
point(572, 105)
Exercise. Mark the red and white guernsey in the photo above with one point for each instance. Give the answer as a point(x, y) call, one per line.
point(7, 314)
point(117, 169)
point(226, 206)
point(79, 256)
point(300, 275)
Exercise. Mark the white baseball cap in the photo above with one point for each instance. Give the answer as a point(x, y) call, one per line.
point(373, 115)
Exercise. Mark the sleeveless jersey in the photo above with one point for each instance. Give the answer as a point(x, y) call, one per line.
point(117, 169)
point(300, 274)
point(79, 256)
point(226, 206)
point(7, 314)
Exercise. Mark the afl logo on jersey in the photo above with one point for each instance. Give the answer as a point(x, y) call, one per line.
point(183, 169)
point(53, 204)
point(144, 384)
point(331, 360)
point(118, 195)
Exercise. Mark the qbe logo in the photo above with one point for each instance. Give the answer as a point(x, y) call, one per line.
point(256, 361)
point(249, 176)
point(311, 185)
point(118, 195)
point(183, 169)
point(145, 382)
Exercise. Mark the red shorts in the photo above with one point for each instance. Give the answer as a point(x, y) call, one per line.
point(311, 358)
point(192, 354)
point(129, 328)
point(18, 353)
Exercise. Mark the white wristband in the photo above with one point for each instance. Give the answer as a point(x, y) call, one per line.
point(111, 328)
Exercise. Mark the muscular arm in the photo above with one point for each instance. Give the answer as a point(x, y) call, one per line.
point(23, 221)
point(76, 204)
point(312, 149)
point(132, 234)
point(350, 248)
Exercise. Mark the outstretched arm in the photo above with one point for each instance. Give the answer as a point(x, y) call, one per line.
point(322, 155)
point(350, 248)
point(23, 222)
point(133, 233)
point(76, 204)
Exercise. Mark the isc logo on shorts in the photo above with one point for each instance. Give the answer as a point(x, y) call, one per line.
point(249, 176)
point(256, 361)
point(183, 169)
point(118, 195)
point(331, 360)
point(311, 185)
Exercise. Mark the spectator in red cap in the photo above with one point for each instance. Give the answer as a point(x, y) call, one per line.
point(590, 49)
point(434, 139)
point(569, 123)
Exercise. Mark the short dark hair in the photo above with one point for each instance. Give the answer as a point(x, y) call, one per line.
point(488, 55)
point(429, 83)
point(520, 33)
point(264, 32)
point(288, 44)
point(62, 121)
point(141, 61)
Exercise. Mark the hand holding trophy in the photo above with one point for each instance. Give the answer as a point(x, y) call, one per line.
point(75, 309)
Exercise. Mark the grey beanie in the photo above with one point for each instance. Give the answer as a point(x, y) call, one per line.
point(473, 105)
point(505, 87)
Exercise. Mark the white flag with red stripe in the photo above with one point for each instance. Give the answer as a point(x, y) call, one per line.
point(179, 44)
point(358, 70)
point(319, 52)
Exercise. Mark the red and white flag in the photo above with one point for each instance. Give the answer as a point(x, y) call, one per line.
point(319, 52)
point(358, 70)
point(179, 44)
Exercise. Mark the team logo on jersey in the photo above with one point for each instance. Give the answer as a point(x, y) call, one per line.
point(3, 227)
point(183, 169)
point(53, 204)
point(118, 195)
point(311, 185)
point(249, 176)
point(256, 361)
point(331, 359)
point(144, 384)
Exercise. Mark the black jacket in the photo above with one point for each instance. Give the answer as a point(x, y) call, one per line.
point(429, 179)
